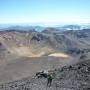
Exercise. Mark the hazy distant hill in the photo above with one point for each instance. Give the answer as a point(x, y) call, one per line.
point(36, 27)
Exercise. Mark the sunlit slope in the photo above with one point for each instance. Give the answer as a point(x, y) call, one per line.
point(62, 55)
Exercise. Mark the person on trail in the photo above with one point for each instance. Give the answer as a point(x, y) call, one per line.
point(49, 80)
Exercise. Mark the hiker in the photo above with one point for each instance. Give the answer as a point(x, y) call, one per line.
point(49, 80)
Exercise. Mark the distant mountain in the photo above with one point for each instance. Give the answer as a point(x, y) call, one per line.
point(21, 27)
point(71, 27)
point(42, 28)
point(87, 26)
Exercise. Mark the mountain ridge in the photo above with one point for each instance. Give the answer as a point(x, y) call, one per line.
point(40, 50)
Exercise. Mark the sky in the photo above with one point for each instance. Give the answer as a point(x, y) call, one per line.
point(44, 11)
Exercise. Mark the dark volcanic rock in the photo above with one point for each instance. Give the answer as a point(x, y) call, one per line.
point(73, 77)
